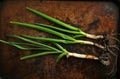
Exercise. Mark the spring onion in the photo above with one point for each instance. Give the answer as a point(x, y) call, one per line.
point(67, 39)
point(40, 46)
point(71, 28)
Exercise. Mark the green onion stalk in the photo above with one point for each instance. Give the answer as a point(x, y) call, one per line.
point(69, 28)
point(46, 49)
point(66, 39)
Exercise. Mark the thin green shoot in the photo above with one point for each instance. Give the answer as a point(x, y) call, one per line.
point(65, 52)
point(64, 36)
point(78, 36)
point(60, 57)
point(65, 41)
point(60, 47)
point(52, 19)
point(32, 42)
point(24, 46)
point(57, 28)
point(39, 54)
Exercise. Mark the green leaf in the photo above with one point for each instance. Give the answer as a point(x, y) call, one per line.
point(78, 36)
point(64, 36)
point(60, 57)
point(60, 47)
point(44, 39)
point(52, 19)
point(26, 44)
point(39, 54)
point(29, 48)
point(34, 47)
point(25, 48)
point(5, 42)
point(59, 29)
point(33, 42)
point(51, 39)
point(18, 45)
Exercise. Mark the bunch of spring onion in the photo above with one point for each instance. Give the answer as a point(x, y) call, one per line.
point(60, 32)
point(69, 29)
point(47, 50)
point(66, 39)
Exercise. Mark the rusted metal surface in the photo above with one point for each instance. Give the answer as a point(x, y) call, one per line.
point(92, 17)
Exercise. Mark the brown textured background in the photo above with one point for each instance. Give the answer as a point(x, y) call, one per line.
point(92, 17)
